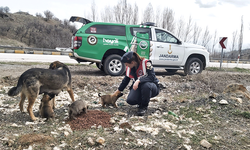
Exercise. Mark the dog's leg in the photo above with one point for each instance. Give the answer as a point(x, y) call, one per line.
point(29, 109)
point(71, 94)
point(102, 102)
point(53, 103)
point(114, 104)
point(23, 96)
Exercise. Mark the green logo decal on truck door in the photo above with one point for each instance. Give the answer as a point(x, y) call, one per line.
point(92, 40)
point(143, 45)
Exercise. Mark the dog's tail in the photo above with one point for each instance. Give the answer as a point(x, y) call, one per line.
point(16, 90)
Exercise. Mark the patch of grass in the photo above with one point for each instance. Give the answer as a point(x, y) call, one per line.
point(235, 69)
point(9, 102)
point(213, 69)
point(195, 140)
point(184, 97)
point(191, 112)
point(243, 114)
point(241, 70)
point(244, 141)
point(24, 63)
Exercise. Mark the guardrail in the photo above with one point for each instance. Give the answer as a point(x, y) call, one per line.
point(46, 51)
point(242, 61)
point(28, 50)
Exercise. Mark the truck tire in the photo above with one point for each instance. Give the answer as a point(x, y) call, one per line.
point(113, 65)
point(193, 66)
point(99, 66)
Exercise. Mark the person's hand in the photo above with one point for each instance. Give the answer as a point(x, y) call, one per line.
point(136, 84)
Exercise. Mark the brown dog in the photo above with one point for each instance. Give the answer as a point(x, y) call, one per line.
point(237, 88)
point(110, 99)
point(37, 81)
point(46, 106)
point(58, 64)
point(76, 108)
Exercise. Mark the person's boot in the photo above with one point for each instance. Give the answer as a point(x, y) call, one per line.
point(141, 111)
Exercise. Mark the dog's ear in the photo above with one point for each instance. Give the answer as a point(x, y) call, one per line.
point(57, 64)
point(52, 66)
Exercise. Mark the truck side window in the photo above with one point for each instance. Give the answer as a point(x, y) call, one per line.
point(107, 30)
point(163, 36)
point(134, 30)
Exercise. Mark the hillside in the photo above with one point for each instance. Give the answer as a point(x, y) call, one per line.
point(23, 29)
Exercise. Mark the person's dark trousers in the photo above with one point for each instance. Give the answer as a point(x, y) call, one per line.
point(142, 95)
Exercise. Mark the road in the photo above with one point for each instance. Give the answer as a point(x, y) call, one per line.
point(12, 57)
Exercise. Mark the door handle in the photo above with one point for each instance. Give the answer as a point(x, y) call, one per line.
point(159, 46)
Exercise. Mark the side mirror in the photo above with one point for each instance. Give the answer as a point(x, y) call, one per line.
point(179, 42)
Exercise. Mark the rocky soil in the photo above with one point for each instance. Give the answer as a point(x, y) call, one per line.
point(202, 116)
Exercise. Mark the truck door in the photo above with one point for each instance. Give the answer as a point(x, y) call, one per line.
point(139, 40)
point(142, 44)
point(168, 50)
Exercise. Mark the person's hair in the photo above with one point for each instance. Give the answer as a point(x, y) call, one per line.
point(136, 57)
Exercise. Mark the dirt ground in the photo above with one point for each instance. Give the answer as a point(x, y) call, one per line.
point(195, 99)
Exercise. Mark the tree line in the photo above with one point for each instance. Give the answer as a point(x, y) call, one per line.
point(48, 35)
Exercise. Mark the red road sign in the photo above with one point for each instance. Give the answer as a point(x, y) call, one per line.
point(222, 42)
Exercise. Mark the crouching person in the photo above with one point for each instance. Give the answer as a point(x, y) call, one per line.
point(145, 84)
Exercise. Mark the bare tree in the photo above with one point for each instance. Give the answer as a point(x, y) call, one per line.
point(5, 28)
point(39, 15)
point(66, 23)
point(240, 37)
point(93, 11)
point(107, 15)
point(168, 19)
point(188, 30)
point(148, 15)
point(159, 17)
point(234, 40)
point(196, 33)
point(5, 9)
point(215, 41)
point(179, 28)
point(120, 11)
point(206, 38)
point(134, 19)
point(125, 10)
point(130, 15)
point(48, 15)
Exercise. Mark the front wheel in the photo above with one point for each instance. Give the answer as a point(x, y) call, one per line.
point(113, 65)
point(193, 66)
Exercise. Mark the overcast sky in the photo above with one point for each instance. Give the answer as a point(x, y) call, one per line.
point(221, 15)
